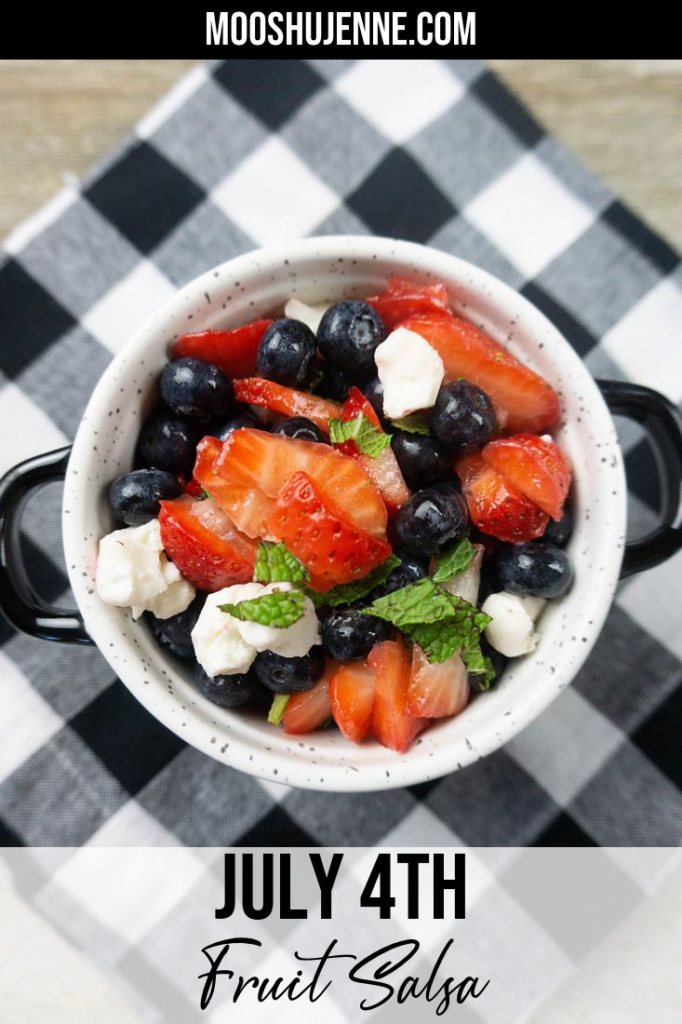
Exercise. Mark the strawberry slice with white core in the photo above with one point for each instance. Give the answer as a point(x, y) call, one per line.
point(254, 458)
point(392, 725)
point(307, 711)
point(352, 700)
point(247, 507)
point(438, 689)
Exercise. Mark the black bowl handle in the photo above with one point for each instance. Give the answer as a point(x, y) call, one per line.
point(663, 425)
point(19, 602)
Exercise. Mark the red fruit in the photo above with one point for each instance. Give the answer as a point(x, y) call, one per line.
point(352, 699)
point(306, 711)
point(523, 400)
point(537, 468)
point(256, 391)
point(247, 507)
point(403, 299)
point(255, 459)
point(495, 506)
point(383, 471)
point(330, 545)
point(436, 690)
point(194, 488)
point(391, 723)
point(235, 352)
point(207, 548)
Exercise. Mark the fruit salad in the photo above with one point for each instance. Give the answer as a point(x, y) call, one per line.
point(348, 516)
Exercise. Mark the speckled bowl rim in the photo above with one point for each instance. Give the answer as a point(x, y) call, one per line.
point(324, 760)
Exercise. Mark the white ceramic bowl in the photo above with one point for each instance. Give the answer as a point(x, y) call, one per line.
point(322, 270)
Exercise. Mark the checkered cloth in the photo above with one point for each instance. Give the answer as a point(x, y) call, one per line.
point(245, 153)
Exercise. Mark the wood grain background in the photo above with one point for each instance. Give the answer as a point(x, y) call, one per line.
point(622, 118)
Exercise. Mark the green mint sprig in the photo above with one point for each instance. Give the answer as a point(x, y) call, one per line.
point(279, 610)
point(369, 439)
point(454, 561)
point(276, 564)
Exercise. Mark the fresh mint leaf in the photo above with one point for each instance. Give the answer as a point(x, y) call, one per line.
point(454, 561)
point(279, 610)
point(440, 623)
point(478, 664)
point(369, 439)
point(347, 593)
point(277, 708)
point(413, 424)
point(276, 564)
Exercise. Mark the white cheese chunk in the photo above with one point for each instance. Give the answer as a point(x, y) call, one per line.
point(411, 372)
point(293, 642)
point(511, 631)
point(225, 645)
point(134, 572)
point(310, 315)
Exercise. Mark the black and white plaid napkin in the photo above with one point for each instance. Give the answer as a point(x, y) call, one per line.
point(242, 154)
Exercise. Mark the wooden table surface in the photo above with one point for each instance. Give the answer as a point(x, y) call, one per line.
point(622, 118)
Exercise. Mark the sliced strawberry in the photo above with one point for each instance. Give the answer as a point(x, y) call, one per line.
point(207, 548)
point(268, 395)
point(352, 698)
point(330, 545)
point(235, 351)
point(523, 400)
point(247, 507)
point(537, 468)
point(436, 690)
point(256, 459)
point(403, 299)
point(391, 723)
point(384, 471)
point(306, 711)
point(495, 506)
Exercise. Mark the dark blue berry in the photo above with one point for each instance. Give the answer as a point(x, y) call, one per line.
point(243, 417)
point(348, 335)
point(334, 384)
point(134, 498)
point(286, 352)
point(300, 427)
point(197, 389)
point(373, 390)
point(422, 459)
point(226, 691)
point(175, 633)
point(432, 520)
point(538, 569)
point(169, 442)
point(289, 675)
point(348, 635)
point(559, 533)
point(409, 571)
point(463, 416)
point(499, 664)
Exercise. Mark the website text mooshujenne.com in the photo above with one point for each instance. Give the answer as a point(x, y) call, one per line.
point(345, 28)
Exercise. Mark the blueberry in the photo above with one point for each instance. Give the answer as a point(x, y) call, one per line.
point(432, 519)
point(463, 416)
point(409, 571)
point(348, 635)
point(197, 389)
point(348, 334)
point(134, 498)
point(334, 384)
point(226, 691)
point(168, 442)
point(422, 459)
point(286, 352)
point(243, 417)
point(289, 675)
point(373, 390)
point(539, 569)
point(174, 633)
point(300, 427)
point(559, 533)
point(499, 664)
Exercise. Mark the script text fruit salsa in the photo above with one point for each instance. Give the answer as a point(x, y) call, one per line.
point(347, 515)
